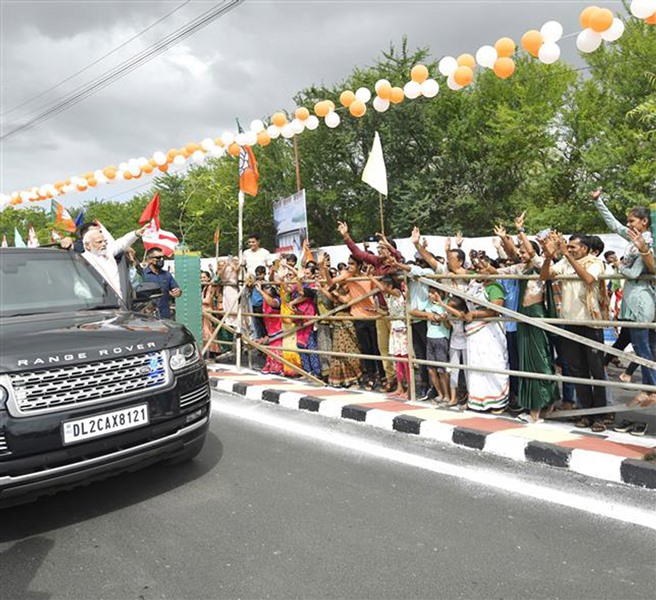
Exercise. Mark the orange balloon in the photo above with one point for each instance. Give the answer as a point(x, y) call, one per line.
point(68, 182)
point(505, 47)
point(463, 75)
point(152, 162)
point(147, 168)
point(185, 152)
point(322, 108)
point(191, 148)
point(233, 149)
point(109, 172)
point(651, 20)
point(302, 113)
point(163, 168)
point(16, 201)
point(59, 184)
point(531, 42)
point(346, 98)
point(127, 175)
point(385, 91)
point(466, 60)
point(586, 16)
point(278, 119)
point(601, 19)
point(419, 73)
point(331, 105)
point(88, 175)
point(172, 153)
point(81, 187)
point(219, 142)
point(92, 181)
point(357, 108)
point(263, 138)
point(504, 67)
point(397, 95)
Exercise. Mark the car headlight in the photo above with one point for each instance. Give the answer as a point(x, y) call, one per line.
point(184, 356)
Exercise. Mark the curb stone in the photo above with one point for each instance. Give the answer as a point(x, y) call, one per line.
point(598, 464)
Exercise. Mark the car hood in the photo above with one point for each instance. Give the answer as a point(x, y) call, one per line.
point(49, 341)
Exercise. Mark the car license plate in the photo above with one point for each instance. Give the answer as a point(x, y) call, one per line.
point(104, 424)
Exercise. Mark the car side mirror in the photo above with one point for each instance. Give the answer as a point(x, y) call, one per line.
point(147, 291)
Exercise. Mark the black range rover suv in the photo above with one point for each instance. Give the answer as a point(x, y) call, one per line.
point(87, 387)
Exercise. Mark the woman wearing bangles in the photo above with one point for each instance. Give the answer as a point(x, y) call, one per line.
point(638, 301)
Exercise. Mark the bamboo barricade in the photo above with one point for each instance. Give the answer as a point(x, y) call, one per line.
point(506, 315)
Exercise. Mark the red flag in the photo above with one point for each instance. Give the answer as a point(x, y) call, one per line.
point(151, 212)
point(154, 237)
point(248, 174)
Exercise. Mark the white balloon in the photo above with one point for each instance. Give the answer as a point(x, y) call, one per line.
point(250, 138)
point(363, 95)
point(120, 175)
point(412, 90)
point(551, 31)
point(227, 138)
point(287, 131)
point(257, 126)
point(332, 119)
point(453, 84)
point(43, 190)
point(549, 53)
point(207, 144)
point(240, 138)
point(198, 156)
point(447, 66)
point(643, 8)
point(217, 151)
point(101, 179)
point(614, 32)
point(142, 161)
point(179, 160)
point(380, 104)
point(381, 82)
point(486, 56)
point(588, 40)
point(159, 158)
point(123, 166)
point(430, 88)
point(312, 122)
point(273, 131)
point(133, 162)
point(297, 126)
point(135, 170)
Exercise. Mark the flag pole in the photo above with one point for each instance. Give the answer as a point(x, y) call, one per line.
point(382, 219)
point(240, 281)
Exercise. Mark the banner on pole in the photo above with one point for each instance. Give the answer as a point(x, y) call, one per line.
point(290, 218)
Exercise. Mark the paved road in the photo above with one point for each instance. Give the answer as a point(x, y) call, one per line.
point(281, 504)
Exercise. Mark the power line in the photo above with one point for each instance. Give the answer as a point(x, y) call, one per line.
point(127, 66)
point(95, 62)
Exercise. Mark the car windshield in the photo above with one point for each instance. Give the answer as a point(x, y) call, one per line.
point(34, 282)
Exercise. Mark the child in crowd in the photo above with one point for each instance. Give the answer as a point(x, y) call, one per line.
point(437, 341)
point(398, 341)
point(457, 308)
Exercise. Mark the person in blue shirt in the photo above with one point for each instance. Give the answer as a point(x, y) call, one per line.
point(155, 273)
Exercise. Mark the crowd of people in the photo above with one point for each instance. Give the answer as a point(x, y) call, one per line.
point(357, 318)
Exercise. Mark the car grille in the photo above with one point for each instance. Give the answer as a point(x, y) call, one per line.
point(50, 390)
point(4, 447)
point(196, 396)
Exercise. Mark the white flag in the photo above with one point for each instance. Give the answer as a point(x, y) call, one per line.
point(32, 240)
point(374, 172)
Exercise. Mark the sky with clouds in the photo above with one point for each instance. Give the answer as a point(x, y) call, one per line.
point(247, 64)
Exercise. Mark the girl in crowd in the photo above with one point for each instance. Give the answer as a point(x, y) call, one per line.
point(303, 302)
point(398, 341)
point(273, 325)
point(638, 301)
point(208, 299)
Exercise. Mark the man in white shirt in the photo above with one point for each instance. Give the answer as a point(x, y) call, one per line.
point(582, 300)
point(102, 256)
point(255, 256)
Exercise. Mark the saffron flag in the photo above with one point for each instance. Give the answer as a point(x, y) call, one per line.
point(217, 236)
point(375, 173)
point(151, 212)
point(32, 240)
point(61, 216)
point(248, 173)
point(18, 240)
point(4, 242)
point(154, 237)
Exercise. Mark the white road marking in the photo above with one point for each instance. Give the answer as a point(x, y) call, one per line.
point(494, 479)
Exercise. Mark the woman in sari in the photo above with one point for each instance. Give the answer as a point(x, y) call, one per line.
point(303, 302)
point(273, 325)
point(486, 345)
point(288, 341)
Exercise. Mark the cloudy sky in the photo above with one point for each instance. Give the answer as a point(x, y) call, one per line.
point(247, 64)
